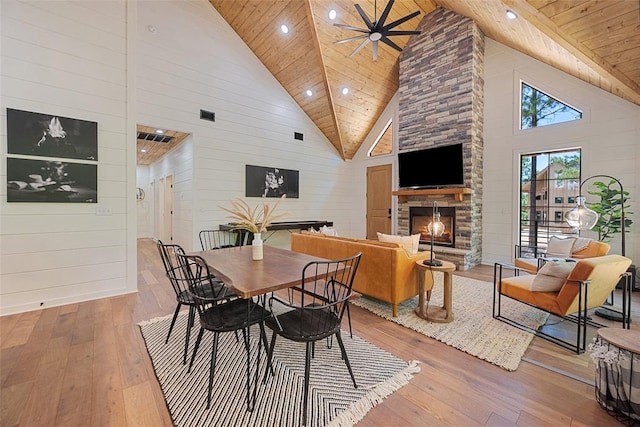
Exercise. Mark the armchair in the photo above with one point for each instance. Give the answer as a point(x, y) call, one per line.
point(585, 287)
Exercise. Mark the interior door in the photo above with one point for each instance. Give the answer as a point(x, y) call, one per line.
point(378, 200)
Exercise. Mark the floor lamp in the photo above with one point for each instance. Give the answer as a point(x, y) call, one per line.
point(583, 218)
point(436, 228)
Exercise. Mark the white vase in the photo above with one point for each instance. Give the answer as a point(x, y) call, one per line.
point(257, 252)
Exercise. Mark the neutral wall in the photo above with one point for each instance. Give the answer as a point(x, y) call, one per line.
point(144, 208)
point(56, 60)
point(206, 66)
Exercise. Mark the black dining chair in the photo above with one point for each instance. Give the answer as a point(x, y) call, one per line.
point(315, 313)
point(218, 314)
point(180, 285)
point(217, 239)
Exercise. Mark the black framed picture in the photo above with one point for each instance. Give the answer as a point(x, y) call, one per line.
point(271, 182)
point(38, 134)
point(31, 180)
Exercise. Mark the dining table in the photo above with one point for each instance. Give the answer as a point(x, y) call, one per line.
point(279, 269)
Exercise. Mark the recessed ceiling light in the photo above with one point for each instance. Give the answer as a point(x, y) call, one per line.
point(333, 14)
point(159, 131)
point(309, 92)
point(345, 90)
point(143, 151)
point(284, 28)
point(511, 14)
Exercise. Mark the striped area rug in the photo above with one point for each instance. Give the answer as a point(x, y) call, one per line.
point(473, 330)
point(333, 401)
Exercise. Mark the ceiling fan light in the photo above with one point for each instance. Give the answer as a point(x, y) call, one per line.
point(284, 28)
point(332, 14)
point(511, 14)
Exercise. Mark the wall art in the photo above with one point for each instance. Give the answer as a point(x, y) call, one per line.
point(271, 182)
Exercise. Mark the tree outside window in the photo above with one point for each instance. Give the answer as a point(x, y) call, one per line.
point(540, 109)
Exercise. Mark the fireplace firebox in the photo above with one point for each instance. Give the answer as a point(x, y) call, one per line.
point(420, 217)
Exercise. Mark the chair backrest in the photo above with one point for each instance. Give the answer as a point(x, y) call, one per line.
point(203, 289)
point(593, 249)
point(169, 254)
point(603, 272)
point(217, 239)
point(325, 290)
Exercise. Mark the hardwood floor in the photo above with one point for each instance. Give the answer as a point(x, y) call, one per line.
point(86, 364)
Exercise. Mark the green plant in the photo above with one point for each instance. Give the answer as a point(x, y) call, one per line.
point(609, 209)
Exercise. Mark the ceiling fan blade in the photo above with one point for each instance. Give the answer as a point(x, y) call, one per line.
point(388, 42)
point(375, 50)
point(350, 39)
point(401, 21)
point(349, 27)
point(359, 48)
point(364, 16)
point(385, 14)
point(401, 33)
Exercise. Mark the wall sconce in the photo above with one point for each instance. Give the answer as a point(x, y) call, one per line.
point(139, 194)
point(436, 229)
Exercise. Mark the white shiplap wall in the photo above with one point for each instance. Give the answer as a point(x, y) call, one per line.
point(56, 60)
point(204, 65)
point(609, 135)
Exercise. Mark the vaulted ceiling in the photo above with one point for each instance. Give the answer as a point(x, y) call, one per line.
point(593, 40)
point(597, 41)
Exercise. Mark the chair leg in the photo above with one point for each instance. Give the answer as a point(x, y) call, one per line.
point(173, 321)
point(212, 371)
point(269, 357)
point(349, 318)
point(346, 358)
point(265, 343)
point(190, 321)
point(307, 368)
point(195, 349)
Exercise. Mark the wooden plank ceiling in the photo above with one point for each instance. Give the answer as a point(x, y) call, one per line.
point(597, 41)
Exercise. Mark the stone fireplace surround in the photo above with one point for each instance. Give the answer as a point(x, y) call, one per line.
point(421, 217)
point(440, 103)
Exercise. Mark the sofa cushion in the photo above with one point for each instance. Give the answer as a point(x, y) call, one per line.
point(409, 243)
point(560, 248)
point(552, 276)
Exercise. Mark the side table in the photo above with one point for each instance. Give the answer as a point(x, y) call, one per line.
point(616, 353)
point(442, 314)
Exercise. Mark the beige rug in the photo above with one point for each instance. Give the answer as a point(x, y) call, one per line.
point(473, 329)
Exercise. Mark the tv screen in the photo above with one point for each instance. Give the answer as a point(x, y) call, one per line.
point(431, 167)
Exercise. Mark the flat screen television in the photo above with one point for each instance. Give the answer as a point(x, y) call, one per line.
point(431, 168)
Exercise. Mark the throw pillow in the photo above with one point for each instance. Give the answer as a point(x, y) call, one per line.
point(328, 231)
point(552, 276)
point(560, 248)
point(580, 244)
point(409, 243)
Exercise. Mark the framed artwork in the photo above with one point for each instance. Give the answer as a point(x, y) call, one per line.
point(31, 180)
point(37, 134)
point(271, 182)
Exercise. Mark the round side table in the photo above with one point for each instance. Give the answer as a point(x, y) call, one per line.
point(616, 352)
point(442, 314)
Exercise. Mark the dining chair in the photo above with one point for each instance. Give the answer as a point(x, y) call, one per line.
point(217, 239)
point(316, 313)
point(218, 314)
point(180, 286)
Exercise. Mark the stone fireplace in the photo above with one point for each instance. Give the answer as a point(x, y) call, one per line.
point(419, 219)
point(441, 103)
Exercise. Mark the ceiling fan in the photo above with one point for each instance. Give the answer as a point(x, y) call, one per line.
point(377, 30)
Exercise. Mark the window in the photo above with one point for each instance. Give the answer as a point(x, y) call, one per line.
point(540, 190)
point(539, 109)
point(384, 143)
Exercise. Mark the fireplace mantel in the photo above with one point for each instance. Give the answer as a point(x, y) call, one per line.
point(457, 193)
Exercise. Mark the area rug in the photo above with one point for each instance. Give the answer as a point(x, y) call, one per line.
point(473, 329)
point(333, 401)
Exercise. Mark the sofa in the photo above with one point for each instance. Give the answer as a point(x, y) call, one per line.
point(386, 272)
point(531, 258)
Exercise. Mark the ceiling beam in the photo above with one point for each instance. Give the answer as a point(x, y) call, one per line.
point(629, 89)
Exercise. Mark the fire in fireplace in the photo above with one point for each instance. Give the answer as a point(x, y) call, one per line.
point(420, 217)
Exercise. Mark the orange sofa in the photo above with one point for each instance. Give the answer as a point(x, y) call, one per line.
point(386, 272)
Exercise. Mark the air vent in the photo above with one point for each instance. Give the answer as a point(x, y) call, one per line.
point(208, 115)
point(155, 137)
point(298, 136)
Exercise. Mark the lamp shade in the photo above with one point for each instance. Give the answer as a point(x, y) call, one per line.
point(581, 217)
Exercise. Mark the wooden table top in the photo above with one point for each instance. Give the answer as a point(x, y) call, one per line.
point(627, 339)
point(280, 269)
